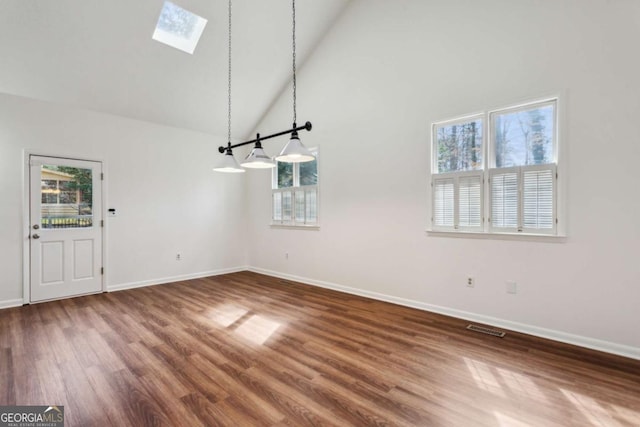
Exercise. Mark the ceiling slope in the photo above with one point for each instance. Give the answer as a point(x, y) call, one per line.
point(99, 55)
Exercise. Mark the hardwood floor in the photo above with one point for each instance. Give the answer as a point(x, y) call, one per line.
point(249, 350)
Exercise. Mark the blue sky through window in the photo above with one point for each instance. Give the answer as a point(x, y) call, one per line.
point(525, 137)
point(179, 28)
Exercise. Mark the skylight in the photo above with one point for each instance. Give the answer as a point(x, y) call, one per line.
point(179, 28)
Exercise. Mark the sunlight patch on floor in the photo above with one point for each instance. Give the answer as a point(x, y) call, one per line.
point(226, 315)
point(629, 415)
point(521, 385)
point(257, 329)
point(483, 377)
point(507, 421)
point(591, 409)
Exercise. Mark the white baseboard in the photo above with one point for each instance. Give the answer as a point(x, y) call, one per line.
point(161, 281)
point(582, 341)
point(11, 303)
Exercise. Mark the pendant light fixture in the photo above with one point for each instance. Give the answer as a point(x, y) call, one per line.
point(294, 151)
point(257, 158)
point(228, 162)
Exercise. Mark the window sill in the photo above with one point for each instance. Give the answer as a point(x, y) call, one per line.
point(555, 238)
point(295, 227)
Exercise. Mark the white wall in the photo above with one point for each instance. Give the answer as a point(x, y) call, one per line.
point(372, 89)
point(158, 178)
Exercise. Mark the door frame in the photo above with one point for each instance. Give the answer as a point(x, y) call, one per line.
point(26, 223)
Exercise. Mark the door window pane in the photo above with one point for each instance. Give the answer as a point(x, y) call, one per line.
point(67, 197)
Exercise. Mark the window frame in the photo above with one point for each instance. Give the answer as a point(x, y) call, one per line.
point(296, 188)
point(488, 170)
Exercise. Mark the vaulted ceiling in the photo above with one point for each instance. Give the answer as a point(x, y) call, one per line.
point(99, 55)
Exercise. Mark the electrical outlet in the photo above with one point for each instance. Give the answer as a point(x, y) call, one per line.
point(178, 256)
point(512, 287)
point(470, 282)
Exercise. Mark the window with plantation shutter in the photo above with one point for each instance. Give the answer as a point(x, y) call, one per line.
point(277, 206)
point(457, 201)
point(470, 201)
point(523, 199)
point(286, 205)
point(538, 201)
point(504, 199)
point(311, 205)
point(511, 179)
point(295, 193)
point(457, 176)
point(443, 202)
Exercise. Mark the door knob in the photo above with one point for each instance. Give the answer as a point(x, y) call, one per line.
point(35, 227)
point(35, 236)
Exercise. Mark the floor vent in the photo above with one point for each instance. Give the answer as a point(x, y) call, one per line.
point(487, 331)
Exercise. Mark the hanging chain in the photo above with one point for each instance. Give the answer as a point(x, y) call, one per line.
point(294, 61)
point(229, 87)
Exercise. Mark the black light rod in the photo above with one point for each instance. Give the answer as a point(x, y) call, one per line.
point(306, 126)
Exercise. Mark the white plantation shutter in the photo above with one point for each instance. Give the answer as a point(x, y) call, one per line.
point(443, 202)
point(277, 206)
point(470, 201)
point(286, 205)
point(523, 199)
point(538, 201)
point(311, 205)
point(504, 198)
point(299, 206)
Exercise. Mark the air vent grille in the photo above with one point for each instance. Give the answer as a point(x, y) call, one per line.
point(487, 331)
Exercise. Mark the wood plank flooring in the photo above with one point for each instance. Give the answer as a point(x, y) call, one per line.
point(250, 350)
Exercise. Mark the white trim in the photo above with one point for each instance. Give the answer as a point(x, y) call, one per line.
point(164, 280)
point(26, 226)
point(11, 303)
point(578, 340)
point(295, 227)
point(551, 238)
point(105, 228)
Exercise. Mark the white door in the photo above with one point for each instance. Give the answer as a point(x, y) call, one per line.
point(65, 214)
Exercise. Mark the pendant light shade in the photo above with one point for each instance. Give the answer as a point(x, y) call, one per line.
point(295, 151)
point(228, 164)
point(257, 158)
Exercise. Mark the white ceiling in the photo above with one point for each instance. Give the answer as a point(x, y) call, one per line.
point(99, 55)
